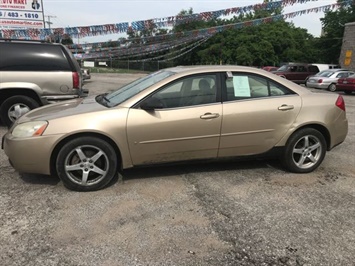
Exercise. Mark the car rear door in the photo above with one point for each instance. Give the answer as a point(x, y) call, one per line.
point(257, 113)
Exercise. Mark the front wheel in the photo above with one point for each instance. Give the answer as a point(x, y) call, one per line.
point(332, 87)
point(16, 106)
point(304, 151)
point(86, 164)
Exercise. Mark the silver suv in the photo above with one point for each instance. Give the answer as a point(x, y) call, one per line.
point(35, 73)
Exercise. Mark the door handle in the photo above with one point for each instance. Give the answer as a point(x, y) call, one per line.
point(209, 116)
point(285, 107)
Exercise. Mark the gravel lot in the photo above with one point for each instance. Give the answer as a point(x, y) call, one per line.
point(231, 213)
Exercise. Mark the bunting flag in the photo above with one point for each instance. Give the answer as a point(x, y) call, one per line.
point(95, 30)
point(170, 41)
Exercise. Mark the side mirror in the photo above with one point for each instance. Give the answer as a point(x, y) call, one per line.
point(151, 104)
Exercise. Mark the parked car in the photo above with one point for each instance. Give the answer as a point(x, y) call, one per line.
point(322, 67)
point(178, 114)
point(346, 84)
point(270, 68)
point(35, 73)
point(297, 73)
point(85, 73)
point(327, 79)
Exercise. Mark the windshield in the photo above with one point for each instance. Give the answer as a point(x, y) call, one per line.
point(135, 87)
point(283, 68)
point(325, 73)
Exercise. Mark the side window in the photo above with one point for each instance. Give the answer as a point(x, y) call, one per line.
point(189, 91)
point(302, 69)
point(33, 57)
point(245, 86)
point(313, 69)
point(342, 75)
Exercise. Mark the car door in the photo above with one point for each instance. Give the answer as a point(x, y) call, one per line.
point(179, 122)
point(257, 113)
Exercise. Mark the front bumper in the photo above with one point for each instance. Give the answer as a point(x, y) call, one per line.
point(30, 155)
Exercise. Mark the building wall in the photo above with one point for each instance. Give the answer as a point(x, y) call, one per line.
point(347, 56)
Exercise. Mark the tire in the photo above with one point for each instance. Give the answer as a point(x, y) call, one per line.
point(14, 107)
point(304, 151)
point(84, 172)
point(348, 92)
point(332, 87)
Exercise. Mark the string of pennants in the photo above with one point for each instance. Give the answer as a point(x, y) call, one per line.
point(94, 51)
point(166, 22)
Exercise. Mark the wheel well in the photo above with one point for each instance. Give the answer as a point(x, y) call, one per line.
point(323, 130)
point(9, 92)
point(71, 137)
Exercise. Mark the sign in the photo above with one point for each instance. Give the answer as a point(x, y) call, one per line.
point(348, 55)
point(21, 14)
point(241, 86)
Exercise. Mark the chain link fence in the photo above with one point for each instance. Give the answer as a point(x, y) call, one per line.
point(112, 65)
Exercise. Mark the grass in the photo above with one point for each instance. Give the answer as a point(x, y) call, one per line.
point(114, 70)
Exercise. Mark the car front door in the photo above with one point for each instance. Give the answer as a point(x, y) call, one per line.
point(179, 122)
point(257, 113)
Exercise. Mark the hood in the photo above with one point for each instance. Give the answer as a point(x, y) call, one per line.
point(62, 109)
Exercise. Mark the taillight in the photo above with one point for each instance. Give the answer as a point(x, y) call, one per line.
point(76, 80)
point(340, 103)
point(351, 80)
point(320, 80)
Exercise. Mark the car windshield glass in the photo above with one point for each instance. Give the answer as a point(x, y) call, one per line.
point(283, 68)
point(135, 87)
point(325, 74)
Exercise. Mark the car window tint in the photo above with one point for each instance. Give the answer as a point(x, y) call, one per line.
point(189, 91)
point(342, 75)
point(33, 57)
point(313, 69)
point(244, 86)
point(302, 69)
point(325, 73)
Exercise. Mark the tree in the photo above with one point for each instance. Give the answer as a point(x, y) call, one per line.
point(333, 27)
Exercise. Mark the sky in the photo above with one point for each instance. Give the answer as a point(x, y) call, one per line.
point(72, 13)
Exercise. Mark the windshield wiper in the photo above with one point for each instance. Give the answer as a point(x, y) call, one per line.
point(101, 97)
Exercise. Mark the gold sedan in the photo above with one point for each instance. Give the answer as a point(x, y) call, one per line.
point(178, 114)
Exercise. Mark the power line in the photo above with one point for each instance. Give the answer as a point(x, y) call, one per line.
point(49, 20)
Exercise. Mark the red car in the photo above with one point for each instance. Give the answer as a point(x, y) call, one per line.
point(346, 84)
point(270, 68)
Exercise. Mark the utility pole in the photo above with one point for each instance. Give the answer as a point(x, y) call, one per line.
point(49, 20)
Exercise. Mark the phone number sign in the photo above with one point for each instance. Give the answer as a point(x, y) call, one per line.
point(21, 13)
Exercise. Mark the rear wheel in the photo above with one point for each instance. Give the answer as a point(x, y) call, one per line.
point(332, 87)
point(16, 106)
point(86, 164)
point(304, 151)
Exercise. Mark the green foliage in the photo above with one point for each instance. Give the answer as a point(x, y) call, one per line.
point(266, 44)
point(333, 27)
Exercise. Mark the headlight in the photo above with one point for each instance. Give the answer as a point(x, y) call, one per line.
point(29, 129)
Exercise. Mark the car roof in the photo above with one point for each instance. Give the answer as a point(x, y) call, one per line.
point(212, 68)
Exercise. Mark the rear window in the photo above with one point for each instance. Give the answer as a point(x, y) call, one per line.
point(32, 57)
point(314, 69)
